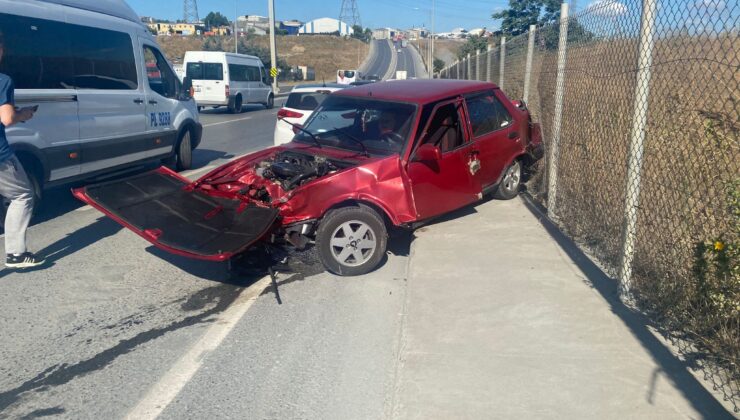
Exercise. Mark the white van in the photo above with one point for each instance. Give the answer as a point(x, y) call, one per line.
point(228, 79)
point(107, 98)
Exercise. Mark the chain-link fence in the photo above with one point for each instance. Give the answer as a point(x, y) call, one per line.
point(639, 104)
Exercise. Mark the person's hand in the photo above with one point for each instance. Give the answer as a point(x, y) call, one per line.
point(25, 114)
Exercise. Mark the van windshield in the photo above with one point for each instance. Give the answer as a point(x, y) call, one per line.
point(205, 71)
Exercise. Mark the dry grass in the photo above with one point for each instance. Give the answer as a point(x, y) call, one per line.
point(326, 54)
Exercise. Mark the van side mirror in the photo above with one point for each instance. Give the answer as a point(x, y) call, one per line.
point(427, 153)
point(187, 88)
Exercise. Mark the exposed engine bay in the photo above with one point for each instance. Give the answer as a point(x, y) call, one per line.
point(291, 169)
point(271, 178)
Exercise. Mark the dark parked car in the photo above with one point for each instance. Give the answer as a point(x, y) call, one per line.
point(379, 155)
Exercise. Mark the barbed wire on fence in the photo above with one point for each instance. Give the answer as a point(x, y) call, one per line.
point(648, 169)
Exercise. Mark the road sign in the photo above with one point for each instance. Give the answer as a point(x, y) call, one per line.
point(273, 72)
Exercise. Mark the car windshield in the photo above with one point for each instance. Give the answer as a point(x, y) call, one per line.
point(359, 124)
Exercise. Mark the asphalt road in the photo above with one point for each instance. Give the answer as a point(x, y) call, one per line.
point(112, 327)
point(382, 61)
point(406, 61)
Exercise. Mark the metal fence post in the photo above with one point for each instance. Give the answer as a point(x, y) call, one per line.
point(528, 69)
point(637, 139)
point(502, 64)
point(552, 173)
point(489, 62)
point(470, 68)
point(477, 65)
point(457, 69)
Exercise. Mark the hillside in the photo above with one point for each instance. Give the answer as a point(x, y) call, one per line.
point(324, 53)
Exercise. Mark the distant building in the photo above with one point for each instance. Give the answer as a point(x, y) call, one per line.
point(417, 33)
point(186, 29)
point(325, 26)
point(292, 27)
point(385, 33)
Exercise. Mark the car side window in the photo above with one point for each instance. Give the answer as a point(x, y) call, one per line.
point(445, 130)
point(487, 114)
point(160, 76)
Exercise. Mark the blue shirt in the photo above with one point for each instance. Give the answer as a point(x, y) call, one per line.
point(7, 96)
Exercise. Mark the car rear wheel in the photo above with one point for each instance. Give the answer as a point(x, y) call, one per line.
point(510, 182)
point(351, 241)
point(184, 152)
point(270, 102)
point(237, 108)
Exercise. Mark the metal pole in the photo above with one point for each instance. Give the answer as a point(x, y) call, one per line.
point(502, 64)
point(489, 61)
point(273, 48)
point(457, 69)
point(477, 65)
point(530, 55)
point(637, 139)
point(470, 68)
point(431, 53)
point(552, 173)
point(236, 31)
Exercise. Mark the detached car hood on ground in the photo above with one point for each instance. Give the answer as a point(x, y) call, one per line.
point(229, 209)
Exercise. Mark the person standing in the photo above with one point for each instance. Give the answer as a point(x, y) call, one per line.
point(14, 184)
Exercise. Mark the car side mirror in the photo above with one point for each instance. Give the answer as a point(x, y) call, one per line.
point(520, 105)
point(428, 153)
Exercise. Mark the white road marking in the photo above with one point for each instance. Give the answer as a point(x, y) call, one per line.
point(228, 122)
point(164, 392)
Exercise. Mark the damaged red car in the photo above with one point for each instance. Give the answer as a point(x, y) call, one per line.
point(372, 157)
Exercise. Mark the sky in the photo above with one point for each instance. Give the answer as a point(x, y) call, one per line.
point(448, 14)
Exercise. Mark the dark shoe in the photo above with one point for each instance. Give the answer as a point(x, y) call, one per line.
point(25, 260)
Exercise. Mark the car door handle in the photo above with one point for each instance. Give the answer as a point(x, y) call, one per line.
point(153, 102)
point(138, 101)
point(513, 135)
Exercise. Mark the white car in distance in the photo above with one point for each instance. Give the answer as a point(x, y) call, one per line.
point(301, 103)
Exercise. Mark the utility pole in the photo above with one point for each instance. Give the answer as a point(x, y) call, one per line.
point(236, 31)
point(190, 11)
point(350, 13)
point(431, 53)
point(273, 48)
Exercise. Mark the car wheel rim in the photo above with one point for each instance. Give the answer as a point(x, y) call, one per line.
point(512, 177)
point(353, 243)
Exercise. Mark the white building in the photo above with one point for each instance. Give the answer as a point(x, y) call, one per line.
point(325, 26)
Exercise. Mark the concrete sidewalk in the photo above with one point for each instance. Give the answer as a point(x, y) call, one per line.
point(504, 318)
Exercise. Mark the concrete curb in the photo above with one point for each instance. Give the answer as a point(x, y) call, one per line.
point(394, 62)
point(368, 59)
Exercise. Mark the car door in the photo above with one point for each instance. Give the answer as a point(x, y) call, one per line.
point(162, 87)
point(494, 133)
point(110, 96)
point(450, 180)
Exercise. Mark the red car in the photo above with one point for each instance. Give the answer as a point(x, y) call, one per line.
point(386, 154)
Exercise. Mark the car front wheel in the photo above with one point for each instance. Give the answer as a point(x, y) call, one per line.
point(184, 154)
point(510, 182)
point(351, 241)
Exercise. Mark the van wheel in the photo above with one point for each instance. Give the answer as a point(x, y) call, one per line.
point(270, 102)
point(351, 240)
point(237, 107)
point(200, 109)
point(184, 152)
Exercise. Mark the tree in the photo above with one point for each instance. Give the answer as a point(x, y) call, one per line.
point(521, 13)
point(364, 35)
point(472, 46)
point(214, 20)
point(438, 65)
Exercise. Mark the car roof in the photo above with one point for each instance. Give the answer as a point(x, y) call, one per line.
point(315, 87)
point(115, 8)
point(419, 91)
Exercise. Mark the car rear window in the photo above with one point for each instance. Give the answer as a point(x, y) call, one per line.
point(306, 101)
point(349, 73)
point(205, 71)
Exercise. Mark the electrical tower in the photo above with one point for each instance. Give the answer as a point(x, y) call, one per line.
point(350, 14)
point(190, 11)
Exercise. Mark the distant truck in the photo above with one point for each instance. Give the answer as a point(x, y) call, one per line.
point(404, 43)
point(400, 74)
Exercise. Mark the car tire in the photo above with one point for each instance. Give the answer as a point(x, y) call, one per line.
point(270, 102)
point(510, 183)
point(184, 153)
point(238, 105)
point(200, 109)
point(343, 254)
